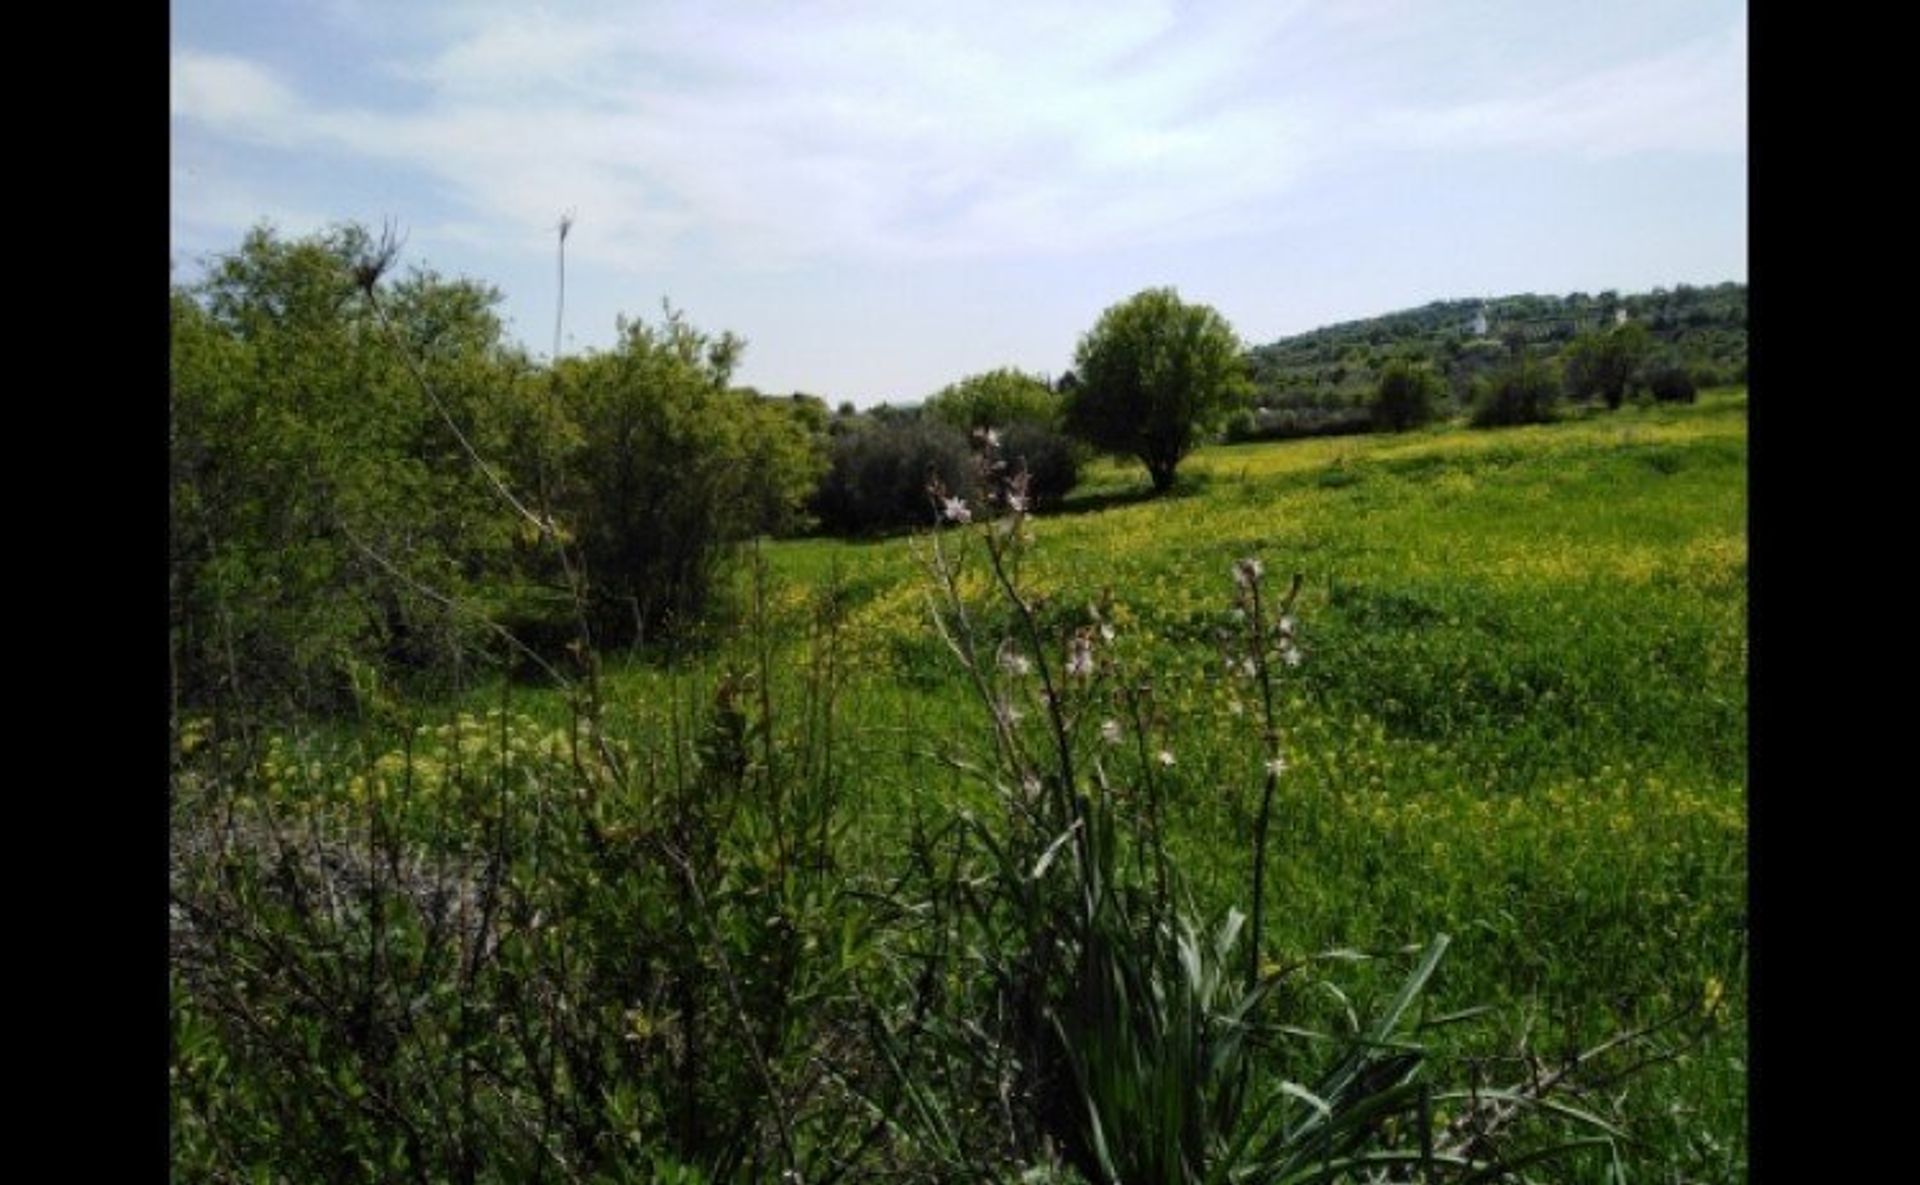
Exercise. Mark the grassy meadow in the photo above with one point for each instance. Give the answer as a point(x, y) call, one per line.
point(1519, 719)
point(1521, 716)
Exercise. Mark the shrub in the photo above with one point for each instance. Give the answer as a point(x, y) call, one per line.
point(877, 476)
point(1407, 397)
point(1525, 393)
point(1671, 383)
point(1051, 460)
point(326, 513)
point(671, 468)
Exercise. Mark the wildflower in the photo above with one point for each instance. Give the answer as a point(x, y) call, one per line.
point(1165, 758)
point(1290, 654)
point(1110, 731)
point(1017, 503)
point(1247, 572)
point(1277, 765)
point(992, 438)
point(1106, 632)
point(1286, 625)
point(955, 510)
point(1243, 667)
point(1030, 785)
point(1012, 661)
point(1080, 656)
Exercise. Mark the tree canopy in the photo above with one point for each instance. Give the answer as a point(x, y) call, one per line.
point(996, 399)
point(1154, 376)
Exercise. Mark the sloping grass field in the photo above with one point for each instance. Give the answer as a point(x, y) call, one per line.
point(1519, 719)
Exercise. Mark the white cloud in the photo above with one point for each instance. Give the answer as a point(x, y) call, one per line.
point(897, 135)
point(225, 92)
point(769, 135)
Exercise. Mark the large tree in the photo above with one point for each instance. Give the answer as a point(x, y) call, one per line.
point(1154, 374)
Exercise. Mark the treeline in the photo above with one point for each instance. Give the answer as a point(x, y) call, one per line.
point(370, 481)
point(1326, 380)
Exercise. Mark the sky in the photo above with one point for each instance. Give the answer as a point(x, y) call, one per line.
point(883, 198)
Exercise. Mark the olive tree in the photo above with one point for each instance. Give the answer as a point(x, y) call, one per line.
point(1154, 375)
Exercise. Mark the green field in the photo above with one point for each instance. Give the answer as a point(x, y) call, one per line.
point(1520, 719)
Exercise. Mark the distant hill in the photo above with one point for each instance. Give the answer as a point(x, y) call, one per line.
point(1337, 366)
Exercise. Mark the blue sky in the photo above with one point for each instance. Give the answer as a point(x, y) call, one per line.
point(885, 197)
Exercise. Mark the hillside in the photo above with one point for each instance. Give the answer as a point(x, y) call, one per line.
point(1337, 365)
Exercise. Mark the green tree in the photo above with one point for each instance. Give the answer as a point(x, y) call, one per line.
point(1601, 365)
point(664, 475)
point(1154, 375)
point(325, 514)
point(996, 399)
point(1522, 392)
point(1408, 395)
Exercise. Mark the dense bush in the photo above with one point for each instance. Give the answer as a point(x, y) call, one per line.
point(1524, 393)
point(1671, 382)
point(672, 467)
point(326, 514)
point(1408, 395)
point(541, 953)
point(877, 476)
point(362, 476)
point(1050, 458)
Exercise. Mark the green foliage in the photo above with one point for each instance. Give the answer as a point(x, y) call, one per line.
point(1602, 365)
point(1050, 459)
point(473, 951)
point(324, 511)
point(1670, 382)
point(1297, 423)
point(362, 474)
point(779, 912)
point(1408, 396)
point(877, 477)
point(996, 399)
point(1154, 375)
point(1523, 393)
point(671, 468)
point(1705, 326)
point(494, 950)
